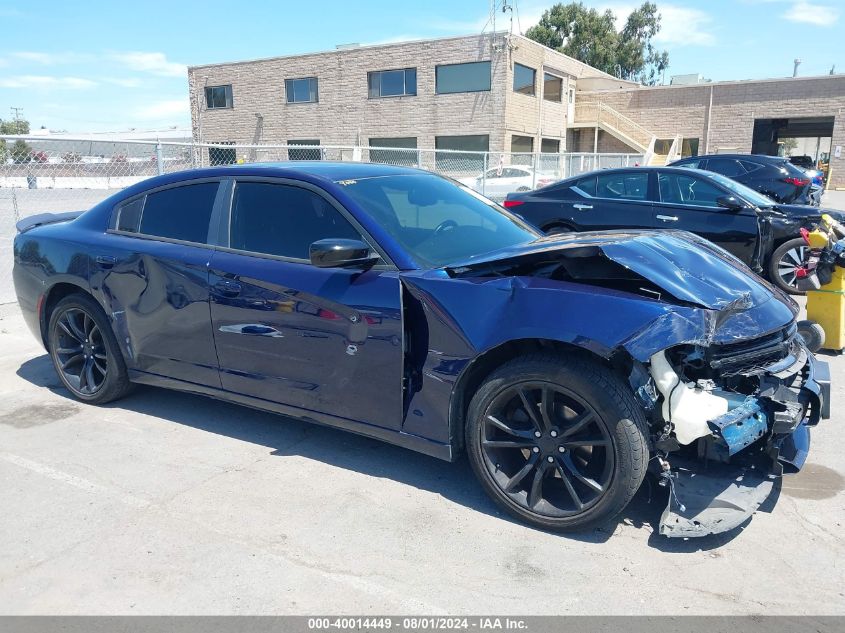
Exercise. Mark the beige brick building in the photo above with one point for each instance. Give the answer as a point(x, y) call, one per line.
point(257, 101)
point(499, 93)
point(705, 118)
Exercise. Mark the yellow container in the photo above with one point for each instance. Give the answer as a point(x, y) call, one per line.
point(817, 238)
point(826, 307)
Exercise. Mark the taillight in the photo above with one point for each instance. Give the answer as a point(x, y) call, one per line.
point(798, 182)
point(513, 203)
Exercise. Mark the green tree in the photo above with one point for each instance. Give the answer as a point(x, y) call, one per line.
point(21, 152)
point(15, 126)
point(591, 37)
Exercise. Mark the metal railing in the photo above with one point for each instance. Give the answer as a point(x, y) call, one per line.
point(601, 114)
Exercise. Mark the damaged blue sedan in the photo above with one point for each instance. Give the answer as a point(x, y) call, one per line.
point(400, 305)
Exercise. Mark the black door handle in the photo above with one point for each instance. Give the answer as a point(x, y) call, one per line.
point(105, 261)
point(228, 288)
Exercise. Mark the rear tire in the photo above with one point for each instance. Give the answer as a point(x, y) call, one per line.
point(557, 441)
point(84, 351)
point(785, 260)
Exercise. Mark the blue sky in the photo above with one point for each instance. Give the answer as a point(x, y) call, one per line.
point(111, 66)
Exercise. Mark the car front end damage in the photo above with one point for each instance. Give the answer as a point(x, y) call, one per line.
point(728, 419)
point(710, 350)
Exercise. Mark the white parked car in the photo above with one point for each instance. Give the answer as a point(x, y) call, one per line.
point(499, 182)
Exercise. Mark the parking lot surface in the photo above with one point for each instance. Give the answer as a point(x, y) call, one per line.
point(172, 503)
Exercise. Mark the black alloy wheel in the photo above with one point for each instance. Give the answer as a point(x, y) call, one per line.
point(81, 352)
point(85, 352)
point(557, 440)
point(547, 449)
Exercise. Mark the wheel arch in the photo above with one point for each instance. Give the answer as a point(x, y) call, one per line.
point(51, 298)
point(557, 223)
point(485, 363)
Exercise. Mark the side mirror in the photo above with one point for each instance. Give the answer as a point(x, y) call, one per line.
point(336, 252)
point(731, 203)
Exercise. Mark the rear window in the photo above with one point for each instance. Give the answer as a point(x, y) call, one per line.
point(729, 167)
point(587, 185)
point(624, 186)
point(179, 213)
point(129, 215)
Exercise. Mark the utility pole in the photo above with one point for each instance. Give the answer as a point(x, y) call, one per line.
point(17, 116)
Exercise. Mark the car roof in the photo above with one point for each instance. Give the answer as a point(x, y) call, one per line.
point(645, 168)
point(763, 158)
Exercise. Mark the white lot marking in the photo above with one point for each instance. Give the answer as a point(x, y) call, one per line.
point(73, 480)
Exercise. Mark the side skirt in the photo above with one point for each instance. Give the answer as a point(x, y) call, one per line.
point(405, 440)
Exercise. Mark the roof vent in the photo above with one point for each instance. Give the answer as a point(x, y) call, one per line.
point(346, 47)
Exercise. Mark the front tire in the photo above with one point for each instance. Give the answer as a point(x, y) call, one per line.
point(84, 351)
point(557, 441)
point(784, 264)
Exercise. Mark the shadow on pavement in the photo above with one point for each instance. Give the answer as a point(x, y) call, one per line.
point(289, 436)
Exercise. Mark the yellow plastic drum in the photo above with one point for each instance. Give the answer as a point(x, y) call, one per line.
point(826, 307)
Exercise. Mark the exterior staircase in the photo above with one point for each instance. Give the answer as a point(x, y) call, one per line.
point(595, 114)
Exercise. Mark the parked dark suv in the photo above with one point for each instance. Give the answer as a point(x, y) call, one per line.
point(773, 176)
point(763, 234)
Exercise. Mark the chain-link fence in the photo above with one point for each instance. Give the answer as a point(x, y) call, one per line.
point(40, 174)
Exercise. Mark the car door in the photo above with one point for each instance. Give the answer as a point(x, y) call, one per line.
point(689, 201)
point(152, 276)
point(320, 339)
point(611, 200)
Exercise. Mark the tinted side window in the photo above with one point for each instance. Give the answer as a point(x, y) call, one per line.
point(683, 189)
point(692, 164)
point(587, 185)
point(283, 220)
point(623, 186)
point(180, 213)
point(129, 215)
point(749, 166)
point(726, 167)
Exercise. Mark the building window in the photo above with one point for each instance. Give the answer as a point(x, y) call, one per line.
point(404, 153)
point(222, 155)
point(523, 79)
point(689, 147)
point(550, 146)
point(468, 156)
point(552, 88)
point(301, 90)
point(218, 97)
point(522, 144)
point(469, 77)
point(392, 83)
point(306, 153)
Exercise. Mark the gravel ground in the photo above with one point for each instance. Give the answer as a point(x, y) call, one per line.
point(172, 503)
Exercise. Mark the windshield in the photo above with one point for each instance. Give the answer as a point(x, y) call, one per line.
point(754, 197)
point(436, 220)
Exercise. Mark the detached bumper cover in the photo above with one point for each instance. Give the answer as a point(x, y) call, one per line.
point(721, 497)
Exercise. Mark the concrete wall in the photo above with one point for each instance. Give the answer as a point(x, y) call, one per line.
point(671, 110)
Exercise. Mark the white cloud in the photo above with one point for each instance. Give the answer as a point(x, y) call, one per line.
point(45, 82)
point(125, 82)
point(52, 59)
point(167, 109)
point(811, 13)
point(684, 25)
point(153, 63)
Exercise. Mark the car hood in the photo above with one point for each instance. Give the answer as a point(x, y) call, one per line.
point(676, 263)
point(807, 213)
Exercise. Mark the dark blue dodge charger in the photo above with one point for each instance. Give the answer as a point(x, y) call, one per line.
point(403, 306)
